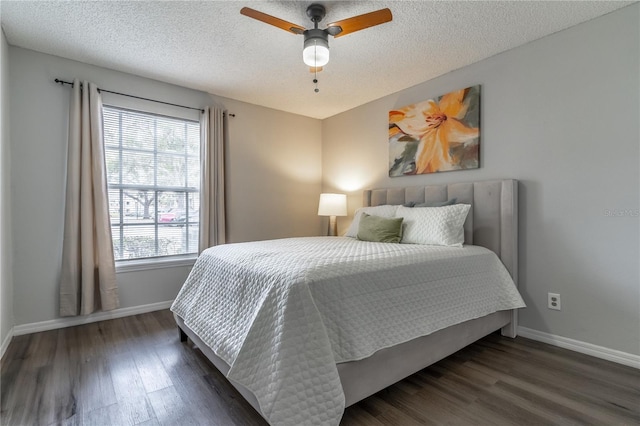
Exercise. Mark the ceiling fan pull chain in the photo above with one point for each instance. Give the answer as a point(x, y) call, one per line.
point(315, 80)
point(315, 69)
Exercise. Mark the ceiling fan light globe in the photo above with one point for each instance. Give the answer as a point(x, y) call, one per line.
point(315, 55)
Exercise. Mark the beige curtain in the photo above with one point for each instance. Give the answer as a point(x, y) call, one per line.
point(212, 207)
point(88, 277)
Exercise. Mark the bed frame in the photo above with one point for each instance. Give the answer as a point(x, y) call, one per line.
point(492, 222)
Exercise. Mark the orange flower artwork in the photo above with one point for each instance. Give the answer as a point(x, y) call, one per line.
point(436, 135)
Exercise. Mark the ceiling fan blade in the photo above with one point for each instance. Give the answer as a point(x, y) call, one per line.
point(272, 20)
point(360, 22)
point(315, 69)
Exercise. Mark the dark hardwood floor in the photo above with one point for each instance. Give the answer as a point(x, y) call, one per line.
point(135, 371)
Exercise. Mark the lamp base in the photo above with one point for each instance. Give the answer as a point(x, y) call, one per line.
point(332, 231)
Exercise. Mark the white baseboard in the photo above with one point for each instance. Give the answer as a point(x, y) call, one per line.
point(5, 342)
point(36, 327)
point(619, 357)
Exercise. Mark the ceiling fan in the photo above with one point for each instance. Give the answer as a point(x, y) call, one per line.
point(316, 41)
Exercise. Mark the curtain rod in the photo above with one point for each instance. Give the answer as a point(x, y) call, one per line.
point(62, 82)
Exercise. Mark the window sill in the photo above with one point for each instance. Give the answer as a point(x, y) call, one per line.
point(152, 264)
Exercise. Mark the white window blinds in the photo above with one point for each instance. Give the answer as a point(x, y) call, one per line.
point(153, 173)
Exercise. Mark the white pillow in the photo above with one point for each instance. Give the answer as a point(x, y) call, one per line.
point(441, 226)
point(386, 211)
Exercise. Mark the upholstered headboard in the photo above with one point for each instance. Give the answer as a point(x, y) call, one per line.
point(492, 221)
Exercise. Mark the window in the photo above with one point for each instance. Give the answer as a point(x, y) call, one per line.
point(153, 174)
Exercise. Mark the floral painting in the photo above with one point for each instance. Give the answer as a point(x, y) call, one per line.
point(436, 135)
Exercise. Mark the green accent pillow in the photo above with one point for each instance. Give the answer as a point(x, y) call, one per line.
point(380, 229)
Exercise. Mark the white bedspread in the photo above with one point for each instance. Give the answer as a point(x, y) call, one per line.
point(282, 313)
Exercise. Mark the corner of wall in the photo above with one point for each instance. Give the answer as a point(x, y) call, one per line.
point(6, 238)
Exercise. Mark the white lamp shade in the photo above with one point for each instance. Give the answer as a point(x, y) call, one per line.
point(332, 205)
point(315, 55)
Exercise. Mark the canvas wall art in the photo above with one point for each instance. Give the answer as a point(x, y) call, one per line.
point(436, 135)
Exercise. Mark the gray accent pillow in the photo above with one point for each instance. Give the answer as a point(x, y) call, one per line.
point(379, 229)
point(431, 203)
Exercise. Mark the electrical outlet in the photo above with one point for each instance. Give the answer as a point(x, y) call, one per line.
point(553, 301)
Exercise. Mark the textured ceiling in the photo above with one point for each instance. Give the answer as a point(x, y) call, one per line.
point(209, 46)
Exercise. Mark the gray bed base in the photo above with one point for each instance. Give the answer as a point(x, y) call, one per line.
point(492, 223)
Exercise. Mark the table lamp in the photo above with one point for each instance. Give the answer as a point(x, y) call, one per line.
point(332, 205)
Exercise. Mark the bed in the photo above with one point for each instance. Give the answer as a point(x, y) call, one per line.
point(329, 321)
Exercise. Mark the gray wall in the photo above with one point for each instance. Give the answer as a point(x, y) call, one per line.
point(274, 173)
point(274, 176)
point(6, 280)
point(560, 114)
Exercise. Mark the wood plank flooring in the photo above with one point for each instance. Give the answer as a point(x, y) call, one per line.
point(134, 371)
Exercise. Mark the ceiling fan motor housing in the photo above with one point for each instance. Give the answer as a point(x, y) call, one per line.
point(316, 35)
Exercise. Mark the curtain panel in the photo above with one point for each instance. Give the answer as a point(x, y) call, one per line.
point(212, 196)
point(88, 276)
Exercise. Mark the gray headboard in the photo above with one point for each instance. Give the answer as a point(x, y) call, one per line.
point(492, 221)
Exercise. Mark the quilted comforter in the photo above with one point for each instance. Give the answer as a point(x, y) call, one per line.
point(282, 313)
